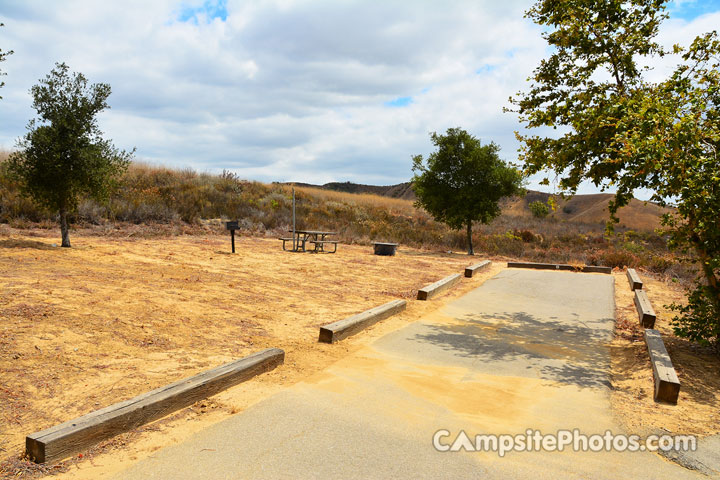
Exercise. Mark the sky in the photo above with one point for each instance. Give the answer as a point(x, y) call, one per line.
point(289, 90)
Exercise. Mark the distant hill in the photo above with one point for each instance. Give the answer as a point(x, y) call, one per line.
point(401, 190)
point(591, 208)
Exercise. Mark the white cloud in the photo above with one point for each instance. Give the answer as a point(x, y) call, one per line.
point(285, 90)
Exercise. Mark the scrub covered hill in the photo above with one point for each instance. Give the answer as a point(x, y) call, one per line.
point(159, 201)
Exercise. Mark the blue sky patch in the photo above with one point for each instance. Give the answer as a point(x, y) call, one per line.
point(487, 68)
point(690, 9)
point(211, 9)
point(399, 102)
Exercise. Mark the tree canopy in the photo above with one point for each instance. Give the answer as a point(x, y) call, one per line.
point(463, 181)
point(624, 132)
point(63, 154)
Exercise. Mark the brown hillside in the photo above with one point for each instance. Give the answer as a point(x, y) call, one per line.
point(589, 209)
point(401, 190)
point(638, 215)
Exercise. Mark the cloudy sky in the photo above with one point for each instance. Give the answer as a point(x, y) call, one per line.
point(286, 90)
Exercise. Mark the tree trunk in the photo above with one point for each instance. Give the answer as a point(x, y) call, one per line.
point(469, 238)
point(64, 228)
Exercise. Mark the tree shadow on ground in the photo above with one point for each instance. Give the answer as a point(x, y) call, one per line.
point(564, 352)
point(697, 369)
point(17, 243)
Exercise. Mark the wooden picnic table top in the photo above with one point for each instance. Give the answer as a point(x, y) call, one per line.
point(314, 232)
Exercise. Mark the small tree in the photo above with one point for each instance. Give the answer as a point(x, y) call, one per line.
point(3, 56)
point(463, 181)
point(63, 155)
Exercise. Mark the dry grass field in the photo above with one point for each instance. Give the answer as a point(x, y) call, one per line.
point(114, 317)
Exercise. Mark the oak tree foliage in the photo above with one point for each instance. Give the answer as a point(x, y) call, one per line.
point(63, 155)
point(463, 181)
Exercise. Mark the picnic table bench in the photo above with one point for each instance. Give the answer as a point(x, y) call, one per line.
point(301, 238)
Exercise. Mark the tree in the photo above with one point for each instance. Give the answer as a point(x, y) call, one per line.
point(3, 56)
point(624, 132)
point(584, 84)
point(63, 155)
point(671, 138)
point(463, 181)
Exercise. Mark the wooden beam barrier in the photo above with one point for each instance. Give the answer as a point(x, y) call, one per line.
point(440, 286)
point(646, 314)
point(335, 332)
point(634, 279)
point(667, 385)
point(470, 271)
point(560, 266)
point(66, 439)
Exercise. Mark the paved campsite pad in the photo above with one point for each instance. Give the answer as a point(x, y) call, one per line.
point(525, 350)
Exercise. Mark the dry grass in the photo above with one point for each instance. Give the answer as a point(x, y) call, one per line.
point(632, 379)
point(114, 317)
point(396, 206)
point(591, 209)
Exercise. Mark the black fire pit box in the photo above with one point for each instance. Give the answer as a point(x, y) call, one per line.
point(382, 248)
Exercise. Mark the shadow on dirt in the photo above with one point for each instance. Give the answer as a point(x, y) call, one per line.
point(16, 243)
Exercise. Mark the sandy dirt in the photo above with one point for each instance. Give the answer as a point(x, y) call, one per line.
point(112, 318)
point(698, 409)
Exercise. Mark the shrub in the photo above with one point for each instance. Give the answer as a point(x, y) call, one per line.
point(539, 209)
point(698, 320)
point(525, 235)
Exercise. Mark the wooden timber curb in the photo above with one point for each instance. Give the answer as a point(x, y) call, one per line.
point(433, 289)
point(62, 441)
point(667, 385)
point(634, 279)
point(560, 266)
point(470, 271)
point(646, 314)
point(335, 332)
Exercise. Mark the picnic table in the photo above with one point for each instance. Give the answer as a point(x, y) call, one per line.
point(316, 237)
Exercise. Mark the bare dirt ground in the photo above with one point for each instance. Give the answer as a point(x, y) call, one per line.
point(698, 409)
point(114, 317)
point(117, 316)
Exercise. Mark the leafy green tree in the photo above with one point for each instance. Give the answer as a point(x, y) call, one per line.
point(63, 156)
point(624, 132)
point(584, 85)
point(463, 181)
point(671, 139)
point(3, 56)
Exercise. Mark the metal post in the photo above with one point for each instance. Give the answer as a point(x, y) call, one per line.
point(232, 237)
point(293, 202)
